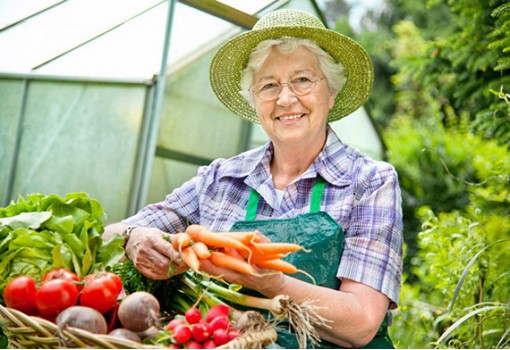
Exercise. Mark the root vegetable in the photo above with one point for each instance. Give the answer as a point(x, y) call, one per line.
point(231, 262)
point(193, 315)
point(202, 234)
point(174, 323)
point(124, 333)
point(149, 333)
point(209, 344)
point(201, 250)
point(201, 332)
point(220, 322)
point(217, 310)
point(82, 317)
point(190, 258)
point(139, 311)
point(220, 336)
point(182, 334)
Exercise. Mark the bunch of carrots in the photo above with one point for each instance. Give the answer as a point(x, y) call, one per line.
point(237, 251)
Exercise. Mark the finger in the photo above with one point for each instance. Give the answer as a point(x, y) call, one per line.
point(232, 276)
point(165, 248)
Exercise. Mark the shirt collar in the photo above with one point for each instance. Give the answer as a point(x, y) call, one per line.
point(332, 163)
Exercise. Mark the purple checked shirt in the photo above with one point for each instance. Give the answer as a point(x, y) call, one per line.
point(361, 194)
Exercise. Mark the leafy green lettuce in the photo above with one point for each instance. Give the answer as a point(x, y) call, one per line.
point(44, 232)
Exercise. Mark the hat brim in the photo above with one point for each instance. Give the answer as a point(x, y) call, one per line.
point(231, 59)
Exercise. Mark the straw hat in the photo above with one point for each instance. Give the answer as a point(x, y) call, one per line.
point(232, 57)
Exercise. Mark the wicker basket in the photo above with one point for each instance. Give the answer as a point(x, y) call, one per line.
point(36, 333)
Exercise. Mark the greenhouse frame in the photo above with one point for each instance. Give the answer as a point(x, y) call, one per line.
point(112, 97)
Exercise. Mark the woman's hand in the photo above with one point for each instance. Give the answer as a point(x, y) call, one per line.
point(152, 254)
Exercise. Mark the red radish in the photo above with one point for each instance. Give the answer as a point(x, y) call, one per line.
point(174, 323)
point(220, 322)
point(193, 345)
point(174, 346)
point(217, 310)
point(201, 331)
point(181, 334)
point(220, 336)
point(193, 315)
point(233, 334)
point(209, 344)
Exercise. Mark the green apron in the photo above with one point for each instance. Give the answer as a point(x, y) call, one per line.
point(324, 237)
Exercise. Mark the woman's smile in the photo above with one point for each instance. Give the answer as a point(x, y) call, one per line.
point(290, 117)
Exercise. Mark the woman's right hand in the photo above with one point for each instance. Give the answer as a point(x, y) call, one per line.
point(152, 254)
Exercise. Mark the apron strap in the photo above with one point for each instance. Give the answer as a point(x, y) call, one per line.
point(318, 188)
point(315, 200)
point(253, 203)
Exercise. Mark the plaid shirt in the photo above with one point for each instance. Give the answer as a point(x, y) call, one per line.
point(361, 194)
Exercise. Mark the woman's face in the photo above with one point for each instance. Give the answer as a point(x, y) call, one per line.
point(290, 119)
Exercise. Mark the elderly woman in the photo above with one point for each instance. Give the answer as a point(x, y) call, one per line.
point(293, 76)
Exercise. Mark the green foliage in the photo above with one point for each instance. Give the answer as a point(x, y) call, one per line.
point(459, 70)
point(448, 137)
point(448, 243)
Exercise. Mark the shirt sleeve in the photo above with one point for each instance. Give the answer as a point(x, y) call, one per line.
point(373, 239)
point(179, 209)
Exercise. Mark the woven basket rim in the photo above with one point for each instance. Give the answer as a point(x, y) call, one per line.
point(35, 332)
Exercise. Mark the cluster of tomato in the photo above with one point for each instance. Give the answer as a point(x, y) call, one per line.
point(197, 332)
point(60, 289)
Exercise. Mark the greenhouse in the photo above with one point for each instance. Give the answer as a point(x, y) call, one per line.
point(113, 98)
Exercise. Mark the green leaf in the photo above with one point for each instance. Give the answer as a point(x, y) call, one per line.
point(63, 224)
point(26, 220)
point(111, 251)
point(466, 270)
point(454, 326)
point(76, 245)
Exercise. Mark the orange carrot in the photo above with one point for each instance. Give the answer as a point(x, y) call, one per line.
point(258, 258)
point(190, 258)
point(274, 248)
point(283, 266)
point(243, 237)
point(231, 262)
point(202, 234)
point(278, 265)
point(180, 240)
point(201, 250)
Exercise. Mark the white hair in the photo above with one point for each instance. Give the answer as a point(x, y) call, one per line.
point(334, 72)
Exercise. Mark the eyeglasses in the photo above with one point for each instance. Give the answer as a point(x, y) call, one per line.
point(269, 91)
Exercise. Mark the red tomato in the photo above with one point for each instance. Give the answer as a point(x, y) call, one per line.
point(20, 293)
point(62, 274)
point(101, 291)
point(54, 296)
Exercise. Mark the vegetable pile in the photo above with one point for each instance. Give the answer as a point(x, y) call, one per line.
point(41, 233)
point(55, 264)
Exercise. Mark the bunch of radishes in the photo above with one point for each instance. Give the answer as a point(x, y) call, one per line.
point(195, 331)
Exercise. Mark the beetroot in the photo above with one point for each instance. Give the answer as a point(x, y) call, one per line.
point(82, 317)
point(139, 311)
point(123, 333)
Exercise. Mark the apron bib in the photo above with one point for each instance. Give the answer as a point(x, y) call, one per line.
point(324, 237)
